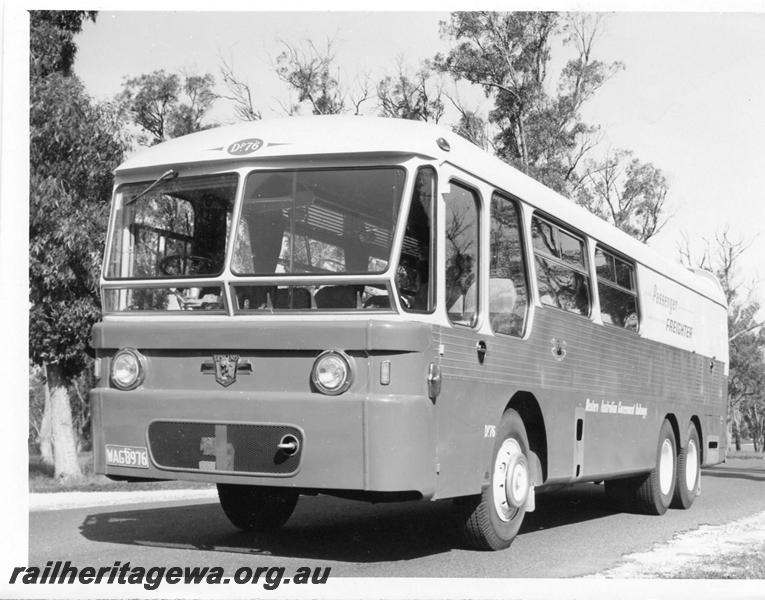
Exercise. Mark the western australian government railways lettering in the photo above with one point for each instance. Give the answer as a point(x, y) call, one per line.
point(616, 408)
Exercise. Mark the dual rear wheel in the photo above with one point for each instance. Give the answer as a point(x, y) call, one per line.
point(688, 484)
point(674, 481)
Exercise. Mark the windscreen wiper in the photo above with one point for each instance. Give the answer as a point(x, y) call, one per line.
point(166, 176)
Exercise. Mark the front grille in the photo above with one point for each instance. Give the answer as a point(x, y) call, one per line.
point(220, 447)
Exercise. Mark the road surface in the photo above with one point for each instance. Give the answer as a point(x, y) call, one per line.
point(572, 533)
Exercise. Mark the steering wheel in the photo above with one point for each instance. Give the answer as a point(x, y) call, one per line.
point(173, 264)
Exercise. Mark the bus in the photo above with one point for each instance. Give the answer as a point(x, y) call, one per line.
point(378, 309)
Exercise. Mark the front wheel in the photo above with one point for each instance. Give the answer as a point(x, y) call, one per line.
point(491, 520)
point(253, 508)
point(688, 482)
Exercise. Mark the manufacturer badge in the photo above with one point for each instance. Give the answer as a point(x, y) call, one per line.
point(225, 368)
point(243, 147)
point(558, 349)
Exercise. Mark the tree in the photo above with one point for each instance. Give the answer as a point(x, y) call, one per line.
point(51, 40)
point(508, 55)
point(165, 105)
point(311, 73)
point(625, 192)
point(74, 145)
point(241, 94)
point(746, 336)
point(471, 125)
point(404, 96)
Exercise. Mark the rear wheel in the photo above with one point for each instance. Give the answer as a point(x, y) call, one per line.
point(491, 520)
point(652, 493)
point(688, 481)
point(254, 508)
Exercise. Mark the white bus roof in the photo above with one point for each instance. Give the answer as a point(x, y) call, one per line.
point(369, 136)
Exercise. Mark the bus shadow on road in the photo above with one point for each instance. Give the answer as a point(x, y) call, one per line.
point(753, 473)
point(321, 528)
point(329, 528)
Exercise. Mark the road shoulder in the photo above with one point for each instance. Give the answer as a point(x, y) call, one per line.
point(733, 550)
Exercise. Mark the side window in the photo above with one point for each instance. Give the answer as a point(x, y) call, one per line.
point(461, 248)
point(561, 268)
point(508, 293)
point(617, 290)
point(414, 277)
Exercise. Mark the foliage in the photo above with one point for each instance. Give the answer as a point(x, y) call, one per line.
point(746, 379)
point(311, 72)
point(73, 148)
point(74, 145)
point(471, 125)
point(540, 131)
point(625, 192)
point(411, 97)
point(508, 55)
point(165, 105)
point(241, 94)
point(746, 336)
point(51, 40)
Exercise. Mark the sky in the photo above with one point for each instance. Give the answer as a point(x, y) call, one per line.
point(690, 99)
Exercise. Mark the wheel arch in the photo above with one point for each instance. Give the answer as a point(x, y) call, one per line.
point(527, 407)
point(696, 422)
point(679, 436)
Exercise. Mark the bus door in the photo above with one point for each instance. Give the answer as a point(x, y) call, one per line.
point(459, 439)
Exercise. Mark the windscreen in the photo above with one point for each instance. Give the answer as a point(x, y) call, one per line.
point(178, 229)
point(323, 221)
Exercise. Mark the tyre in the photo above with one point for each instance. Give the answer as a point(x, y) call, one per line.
point(491, 520)
point(252, 508)
point(688, 480)
point(652, 493)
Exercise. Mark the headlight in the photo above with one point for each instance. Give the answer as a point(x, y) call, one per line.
point(332, 372)
point(127, 369)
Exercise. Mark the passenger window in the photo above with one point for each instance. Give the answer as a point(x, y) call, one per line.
point(508, 296)
point(561, 268)
point(617, 290)
point(571, 249)
point(461, 248)
point(414, 277)
point(542, 238)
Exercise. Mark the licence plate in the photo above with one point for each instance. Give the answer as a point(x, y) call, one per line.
point(127, 456)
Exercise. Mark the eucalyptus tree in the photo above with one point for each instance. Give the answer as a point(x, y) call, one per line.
point(167, 105)
point(74, 144)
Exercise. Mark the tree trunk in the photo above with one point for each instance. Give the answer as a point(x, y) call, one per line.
point(46, 443)
point(736, 435)
point(64, 446)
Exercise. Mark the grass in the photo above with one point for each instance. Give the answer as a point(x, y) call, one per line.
point(739, 565)
point(745, 454)
point(41, 480)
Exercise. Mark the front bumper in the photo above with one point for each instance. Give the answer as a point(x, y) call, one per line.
point(350, 442)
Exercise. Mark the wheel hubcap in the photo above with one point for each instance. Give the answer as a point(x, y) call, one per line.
point(691, 466)
point(666, 467)
point(510, 480)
